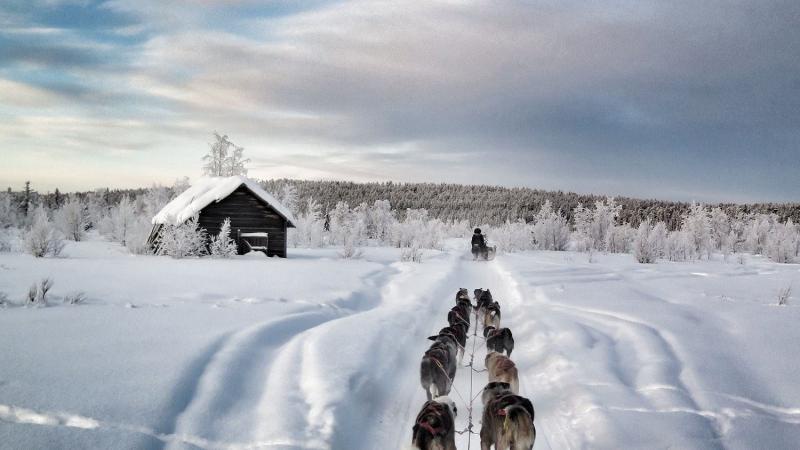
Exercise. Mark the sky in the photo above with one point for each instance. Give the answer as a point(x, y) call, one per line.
point(680, 100)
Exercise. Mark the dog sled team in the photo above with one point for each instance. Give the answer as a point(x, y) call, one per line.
point(507, 422)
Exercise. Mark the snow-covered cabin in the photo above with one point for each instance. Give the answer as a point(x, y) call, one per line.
point(258, 220)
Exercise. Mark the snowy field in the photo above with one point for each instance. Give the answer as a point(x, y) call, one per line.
point(316, 352)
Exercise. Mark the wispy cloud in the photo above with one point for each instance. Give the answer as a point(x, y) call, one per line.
point(674, 99)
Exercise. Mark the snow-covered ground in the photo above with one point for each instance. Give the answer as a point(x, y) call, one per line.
point(319, 352)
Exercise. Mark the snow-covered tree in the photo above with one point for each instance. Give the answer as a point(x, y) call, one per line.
point(154, 199)
point(697, 224)
point(222, 245)
point(592, 226)
point(235, 164)
point(681, 246)
point(782, 242)
point(757, 231)
point(309, 228)
point(417, 228)
point(71, 219)
point(382, 218)
point(658, 239)
point(8, 211)
point(184, 240)
point(42, 239)
point(512, 236)
point(288, 197)
point(121, 219)
point(550, 230)
point(137, 234)
point(220, 161)
point(720, 228)
point(644, 245)
point(619, 238)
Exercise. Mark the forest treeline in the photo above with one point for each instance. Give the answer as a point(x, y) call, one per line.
point(494, 205)
point(477, 204)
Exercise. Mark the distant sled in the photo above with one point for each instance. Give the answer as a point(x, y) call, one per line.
point(485, 254)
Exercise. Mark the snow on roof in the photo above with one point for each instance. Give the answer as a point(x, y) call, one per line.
point(213, 189)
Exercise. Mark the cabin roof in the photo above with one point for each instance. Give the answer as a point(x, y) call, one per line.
point(206, 190)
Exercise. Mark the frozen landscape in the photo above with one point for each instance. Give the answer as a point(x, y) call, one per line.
point(318, 352)
point(249, 224)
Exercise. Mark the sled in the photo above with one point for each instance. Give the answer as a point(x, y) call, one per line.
point(486, 255)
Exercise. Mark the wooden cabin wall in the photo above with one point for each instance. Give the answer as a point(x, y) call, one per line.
point(249, 215)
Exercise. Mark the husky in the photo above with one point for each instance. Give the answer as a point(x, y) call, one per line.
point(491, 315)
point(483, 298)
point(502, 369)
point(434, 427)
point(436, 371)
point(499, 340)
point(458, 314)
point(507, 419)
point(462, 294)
point(455, 335)
point(493, 389)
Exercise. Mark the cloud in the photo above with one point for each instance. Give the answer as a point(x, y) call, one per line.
point(635, 97)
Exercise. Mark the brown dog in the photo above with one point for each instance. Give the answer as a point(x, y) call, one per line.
point(507, 420)
point(502, 368)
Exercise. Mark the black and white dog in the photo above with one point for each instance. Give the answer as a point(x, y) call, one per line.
point(499, 340)
point(434, 428)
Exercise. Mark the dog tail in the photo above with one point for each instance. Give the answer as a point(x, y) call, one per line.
point(518, 425)
point(434, 390)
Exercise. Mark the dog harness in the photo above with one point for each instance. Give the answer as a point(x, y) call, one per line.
point(432, 412)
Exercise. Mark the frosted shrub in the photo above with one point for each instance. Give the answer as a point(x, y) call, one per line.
point(550, 230)
point(418, 229)
point(783, 295)
point(8, 212)
point(381, 220)
point(781, 243)
point(720, 229)
point(680, 246)
point(222, 245)
point(42, 239)
point(71, 219)
point(350, 249)
point(658, 239)
point(121, 219)
point(4, 301)
point(757, 231)
point(184, 240)
point(8, 239)
point(513, 237)
point(594, 225)
point(411, 254)
point(697, 226)
point(310, 227)
point(619, 239)
point(75, 298)
point(644, 248)
point(37, 293)
point(137, 234)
